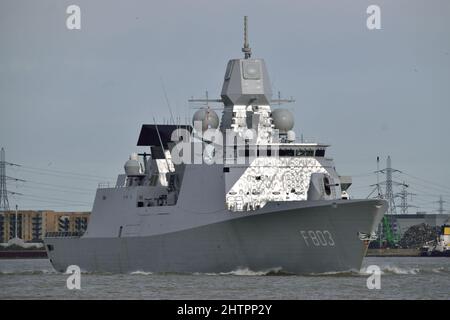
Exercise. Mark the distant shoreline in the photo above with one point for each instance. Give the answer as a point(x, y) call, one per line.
point(393, 253)
point(23, 254)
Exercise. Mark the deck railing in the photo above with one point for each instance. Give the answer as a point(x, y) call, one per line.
point(103, 185)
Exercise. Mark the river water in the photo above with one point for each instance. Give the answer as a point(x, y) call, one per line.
point(401, 278)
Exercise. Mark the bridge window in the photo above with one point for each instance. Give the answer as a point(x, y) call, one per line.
point(286, 153)
point(304, 153)
point(264, 152)
point(320, 153)
point(268, 152)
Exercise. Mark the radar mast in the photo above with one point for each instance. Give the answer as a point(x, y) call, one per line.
point(246, 49)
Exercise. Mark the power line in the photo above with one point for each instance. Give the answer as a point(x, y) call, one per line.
point(62, 172)
point(424, 202)
point(51, 198)
point(35, 197)
point(425, 193)
point(361, 187)
point(430, 183)
point(58, 175)
point(67, 172)
point(39, 197)
point(361, 175)
point(56, 208)
point(59, 186)
point(430, 188)
point(55, 190)
point(33, 207)
point(15, 179)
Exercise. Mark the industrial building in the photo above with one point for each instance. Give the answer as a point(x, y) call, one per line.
point(404, 221)
point(31, 225)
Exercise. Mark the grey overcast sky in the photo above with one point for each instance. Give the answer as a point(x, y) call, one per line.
point(74, 100)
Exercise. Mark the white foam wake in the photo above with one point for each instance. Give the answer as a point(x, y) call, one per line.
point(28, 272)
point(143, 273)
point(248, 272)
point(388, 269)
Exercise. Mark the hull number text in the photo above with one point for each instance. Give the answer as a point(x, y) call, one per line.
point(317, 238)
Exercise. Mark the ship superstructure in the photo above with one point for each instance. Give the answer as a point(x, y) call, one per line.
point(239, 192)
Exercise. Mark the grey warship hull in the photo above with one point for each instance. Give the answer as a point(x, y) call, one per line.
point(308, 239)
point(220, 195)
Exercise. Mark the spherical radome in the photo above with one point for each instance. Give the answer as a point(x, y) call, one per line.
point(208, 118)
point(283, 119)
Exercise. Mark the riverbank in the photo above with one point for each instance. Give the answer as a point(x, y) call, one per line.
point(23, 254)
point(393, 253)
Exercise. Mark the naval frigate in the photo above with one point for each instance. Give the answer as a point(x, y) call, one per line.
point(199, 201)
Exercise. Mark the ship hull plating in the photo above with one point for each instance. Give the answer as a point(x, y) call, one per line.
point(316, 239)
